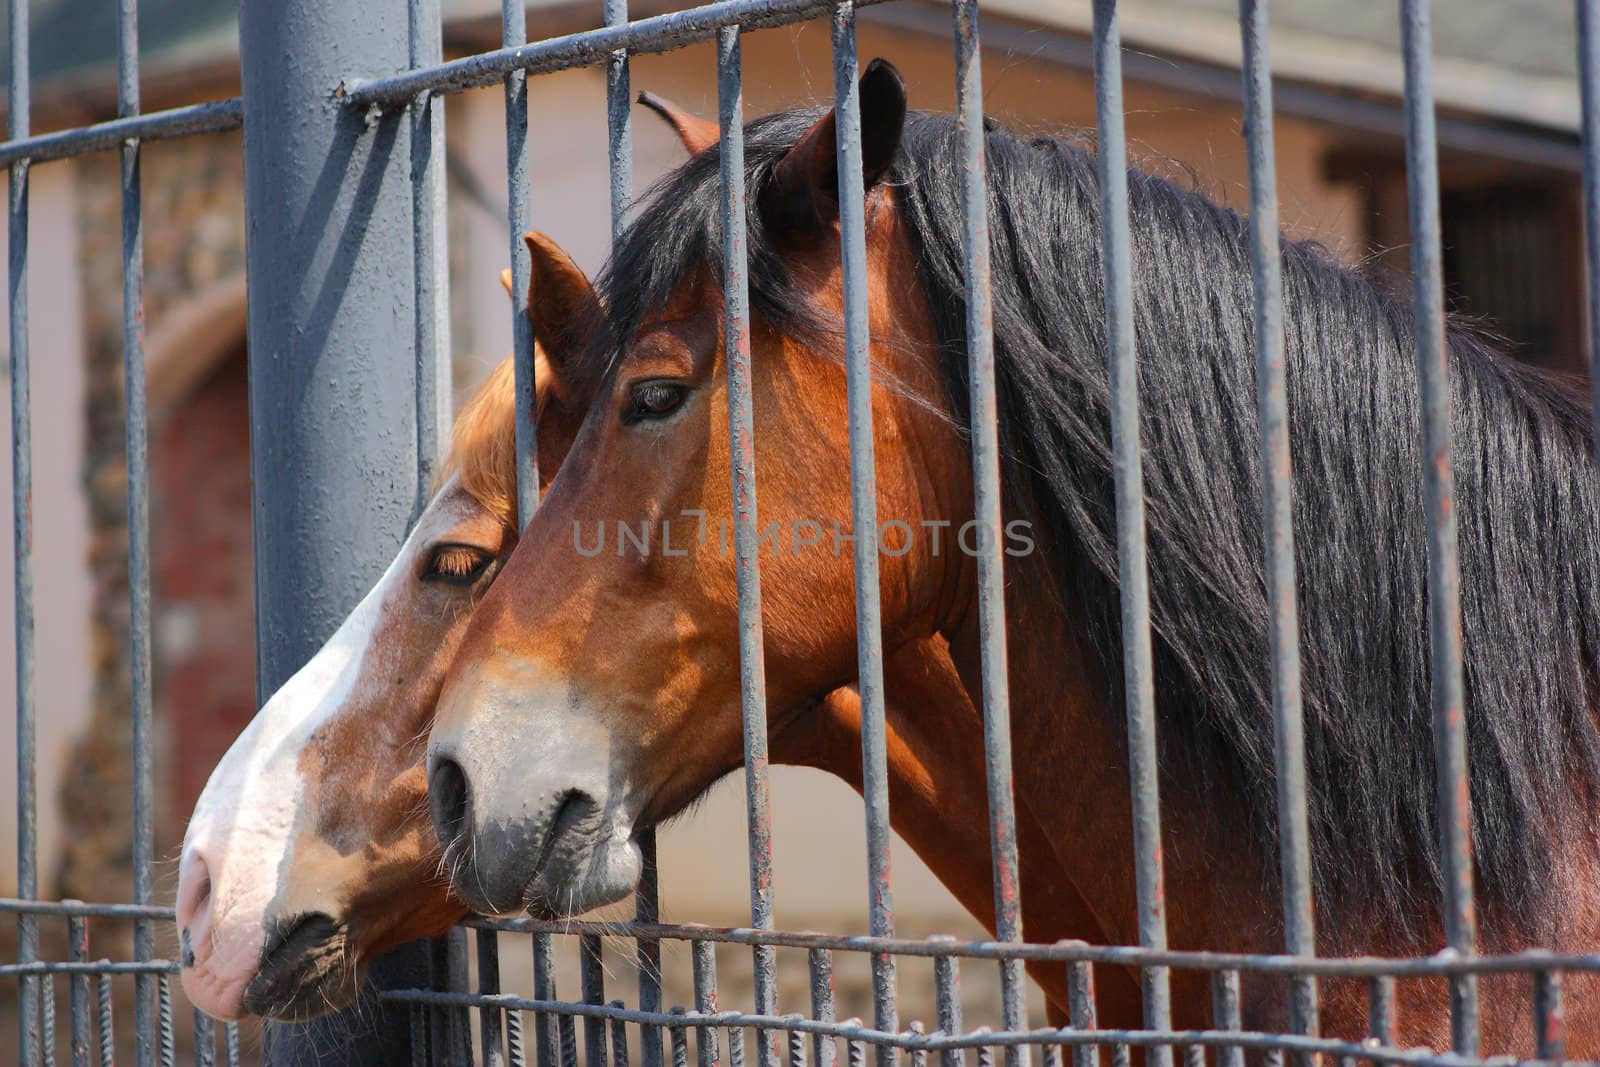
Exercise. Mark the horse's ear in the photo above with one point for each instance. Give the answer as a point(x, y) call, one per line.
point(696, 133)
point(803, 193)
point(561, 303)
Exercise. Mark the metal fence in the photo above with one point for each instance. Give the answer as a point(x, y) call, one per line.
point(311, 107)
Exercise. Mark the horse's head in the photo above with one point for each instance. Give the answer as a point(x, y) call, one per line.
point(597, 689)
point(309, 850)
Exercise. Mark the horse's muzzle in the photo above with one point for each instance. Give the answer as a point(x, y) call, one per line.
point(304, 970)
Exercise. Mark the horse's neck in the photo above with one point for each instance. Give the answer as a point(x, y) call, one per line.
point(938, 803)
point(1069, 756)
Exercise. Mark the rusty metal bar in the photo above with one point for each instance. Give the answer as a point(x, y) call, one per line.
point(947, 1003)
point(138, 520)
point(864, 508)
point(1225, 1014)
point(78, 990)
point(1133, 572)
point(592, 987)
point(987, 513)
point(746, 538)
point(819, 961)
point(513, 33)
point(1549, 1017)
point(1277, 496)
point(28, 1051)
point(216, 116)
point(1081, 1010)
point(705, 1001)
point(490, 1032)
point(430, 250)
point(659, 33)
point(1444, 571)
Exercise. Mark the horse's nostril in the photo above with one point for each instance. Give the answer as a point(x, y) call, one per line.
point(194, 904)
point(449, 801)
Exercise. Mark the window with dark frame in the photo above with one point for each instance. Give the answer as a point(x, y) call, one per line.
point(1512, 248)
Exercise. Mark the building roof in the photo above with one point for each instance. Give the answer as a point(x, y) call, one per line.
point(1508, 59)
point(1512, 60)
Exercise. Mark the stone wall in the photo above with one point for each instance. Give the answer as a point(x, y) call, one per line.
point(194, 236)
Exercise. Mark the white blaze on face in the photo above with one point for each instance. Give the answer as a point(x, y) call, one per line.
point(239, 848)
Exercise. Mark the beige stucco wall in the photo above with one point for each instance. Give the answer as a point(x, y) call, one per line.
point(63, 594)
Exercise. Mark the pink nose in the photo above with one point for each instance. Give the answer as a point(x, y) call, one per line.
point(194, 905)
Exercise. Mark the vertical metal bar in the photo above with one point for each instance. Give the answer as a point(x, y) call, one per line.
point(819, 961)
point(47, 995)
point(78, 989)
point(1050, 1056)
point(22, 537)
point(705, 1000)
point(513, 32)
point(1589, 86)
point(230, 1043)
point(619, 1039)
point(1138, 673)
point(1380, 1010)
point(735, 1047)
point(1549, 1017)
point(680, 1041)
point(947, 1004)
point(864, 511)
point(419, 1036)
point(544, 988)
point(647, 909)
point(490, 1034)
point(205, 1040)
point(1277, 495)
point(108, 1042)
point(619, 151)
point(1444, 574)
point(168, 1040)
point(138, 487)
point(619, 122)
point(568, 1040)
point(430, 254)
point(741, 429)
point(1081, 1011)
point(333, 396)
point(458, 1041)
point(985, 445)
point(797, 1049)
point(593, 987)
point(514, 1051)
point(1225, 1014)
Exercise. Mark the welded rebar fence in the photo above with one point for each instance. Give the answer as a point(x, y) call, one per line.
point(436, 1019)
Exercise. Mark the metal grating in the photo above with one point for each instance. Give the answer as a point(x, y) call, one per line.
point(439, 1028)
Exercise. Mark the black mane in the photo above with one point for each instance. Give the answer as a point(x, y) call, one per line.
point(1526, 496)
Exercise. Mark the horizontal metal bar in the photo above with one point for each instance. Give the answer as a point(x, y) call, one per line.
point(12, 970)
point(215, 116)
point(939, 1041)
point(1072, 951)
point(78, 909)
point(661, 33)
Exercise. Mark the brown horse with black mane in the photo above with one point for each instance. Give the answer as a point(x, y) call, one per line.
point(310, 851)
point(597, 694)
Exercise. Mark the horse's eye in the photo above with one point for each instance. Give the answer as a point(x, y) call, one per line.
point(654, 400)
point(458, 564)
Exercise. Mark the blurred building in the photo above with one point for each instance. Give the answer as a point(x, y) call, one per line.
point(1504, 75)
